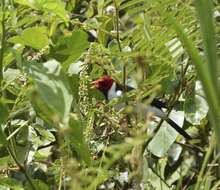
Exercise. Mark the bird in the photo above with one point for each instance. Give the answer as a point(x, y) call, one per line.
point(111, 89)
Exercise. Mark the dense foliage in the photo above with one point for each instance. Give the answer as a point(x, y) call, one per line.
point(58, 133)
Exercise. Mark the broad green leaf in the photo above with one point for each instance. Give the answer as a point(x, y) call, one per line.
point(52, 97)
point(195, 106)
point(69, 48)
point(75, 68)
point(166, 135)
point(42, 108)
point(35, 37)
point(56, 7)
point(76, 138)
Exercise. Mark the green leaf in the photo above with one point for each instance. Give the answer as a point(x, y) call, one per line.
point(56, 7)
point(52, 97)
point(76, 138)
point(195, 106)
point(35, 37)
point(75, 68)
point(166, 135)
point(69, 48)
point(104, 30)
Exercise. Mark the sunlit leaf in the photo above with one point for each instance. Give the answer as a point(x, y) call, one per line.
point(51, 6)
point(196, 107)
point(166, 135)
point(69, 48)
point(35, 37)
point(53, 90)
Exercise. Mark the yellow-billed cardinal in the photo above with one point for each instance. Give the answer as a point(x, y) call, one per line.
point(111, 89)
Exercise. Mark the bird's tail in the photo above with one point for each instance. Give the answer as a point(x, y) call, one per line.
point(159, 113)
point(178, 128)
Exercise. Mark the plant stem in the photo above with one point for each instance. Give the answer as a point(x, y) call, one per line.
point(2, 44)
